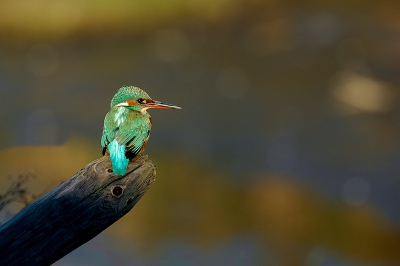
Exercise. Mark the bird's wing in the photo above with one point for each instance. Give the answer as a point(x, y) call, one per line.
point(134, 135)
point(109, 130)
point(133, 132)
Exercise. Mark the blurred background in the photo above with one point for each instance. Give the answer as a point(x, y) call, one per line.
point(286, 151)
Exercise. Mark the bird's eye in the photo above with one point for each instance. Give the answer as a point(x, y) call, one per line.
point(140, 100)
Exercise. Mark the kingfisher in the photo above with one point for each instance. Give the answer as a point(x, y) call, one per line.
point(127, 126)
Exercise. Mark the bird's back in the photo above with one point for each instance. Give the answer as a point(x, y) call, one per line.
point(125, 134)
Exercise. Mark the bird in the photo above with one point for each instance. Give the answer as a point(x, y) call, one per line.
point(127, 126)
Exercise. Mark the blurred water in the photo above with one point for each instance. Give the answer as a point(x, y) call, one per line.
point(309, 96)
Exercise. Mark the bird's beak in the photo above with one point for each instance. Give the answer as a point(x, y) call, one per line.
point(160, 105)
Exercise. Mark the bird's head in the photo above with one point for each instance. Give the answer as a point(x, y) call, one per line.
point(137, 99)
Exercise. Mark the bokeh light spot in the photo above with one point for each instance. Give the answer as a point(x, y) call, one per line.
point(356, 191)
point(171, 45)
point(363, 93)
point(322, 29)
point(270, 38)
point(316, 257)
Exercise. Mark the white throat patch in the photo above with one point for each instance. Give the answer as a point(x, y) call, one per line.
point(144, 110)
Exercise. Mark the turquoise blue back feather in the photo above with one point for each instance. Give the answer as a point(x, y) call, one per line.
point(117, 156)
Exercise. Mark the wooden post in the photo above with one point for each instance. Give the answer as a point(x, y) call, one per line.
point(73, 213)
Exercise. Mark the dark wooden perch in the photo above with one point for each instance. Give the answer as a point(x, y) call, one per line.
point(73, 213)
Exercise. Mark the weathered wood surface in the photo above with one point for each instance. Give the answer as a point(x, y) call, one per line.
point(73, 213)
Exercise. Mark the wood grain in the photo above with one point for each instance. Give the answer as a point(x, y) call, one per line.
point(74, 212)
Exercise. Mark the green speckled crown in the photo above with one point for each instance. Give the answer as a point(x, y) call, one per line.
point(128, 93)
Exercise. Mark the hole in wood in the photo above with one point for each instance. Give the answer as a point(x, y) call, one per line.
point(109, 170)
point(129, 201)
point(117, 191)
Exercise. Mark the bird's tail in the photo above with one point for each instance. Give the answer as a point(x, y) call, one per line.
point(118, 160)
